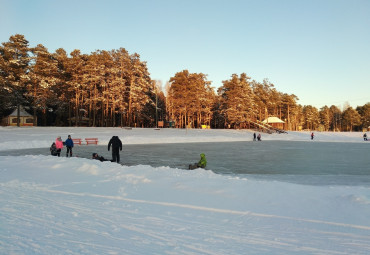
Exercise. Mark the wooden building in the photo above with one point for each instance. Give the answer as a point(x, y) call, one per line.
point(25, 119)
point(274, 122)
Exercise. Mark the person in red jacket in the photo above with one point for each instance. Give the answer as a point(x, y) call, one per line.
point(59, 145)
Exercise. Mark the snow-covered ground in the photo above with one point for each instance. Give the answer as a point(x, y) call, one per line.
point(51, 205)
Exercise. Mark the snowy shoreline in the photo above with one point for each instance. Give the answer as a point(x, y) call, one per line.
point(12, 138)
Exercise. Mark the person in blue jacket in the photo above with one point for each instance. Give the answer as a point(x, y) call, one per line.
point(69, 145)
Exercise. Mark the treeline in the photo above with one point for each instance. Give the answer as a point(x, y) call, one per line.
point(114, 88)
point(104, 88)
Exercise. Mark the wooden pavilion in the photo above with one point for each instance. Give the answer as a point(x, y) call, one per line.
point(274, 122)
point(25, 119)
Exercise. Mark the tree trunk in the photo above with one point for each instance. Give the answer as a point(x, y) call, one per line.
point(76, 113)
point(18, 115)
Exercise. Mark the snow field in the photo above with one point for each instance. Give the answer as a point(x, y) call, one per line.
point(51, 205)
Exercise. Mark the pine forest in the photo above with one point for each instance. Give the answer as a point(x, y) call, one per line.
point(114, 89)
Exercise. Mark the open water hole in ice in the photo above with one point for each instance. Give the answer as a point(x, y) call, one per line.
point(314, 163)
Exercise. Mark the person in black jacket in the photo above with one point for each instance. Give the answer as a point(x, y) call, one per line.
point(116, 147)
point(53, 150)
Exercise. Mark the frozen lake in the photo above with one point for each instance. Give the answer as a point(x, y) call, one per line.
point(314, 163)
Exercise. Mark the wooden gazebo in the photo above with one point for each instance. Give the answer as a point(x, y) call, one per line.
point(274, 122)
point(25, 119)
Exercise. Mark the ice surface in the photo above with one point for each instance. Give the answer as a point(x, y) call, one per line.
point(312, 163)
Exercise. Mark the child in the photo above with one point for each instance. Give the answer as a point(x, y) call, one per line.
point(202, 162)
point(69, 144)
point(53, 149)
point(259, 137)
point(97, 157)
point(59, 145)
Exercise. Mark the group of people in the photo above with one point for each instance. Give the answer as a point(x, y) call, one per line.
point(57, 146)
point(258, 137)
point(116, 145)
point(114, 142)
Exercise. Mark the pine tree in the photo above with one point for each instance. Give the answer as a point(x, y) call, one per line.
point(336, 122)
point(62, 108)
point(206, 99)
point(288, 108)
point(14, 70)
point(122, 62)
point(275, 102)
point(134, 88)
point(44, 78)
point(180, 97)
point(364, 112)
point(5, 102)
point(351, 118)
point(140, 89)
point(190, 99)
point(325, 117)
point(261, 93)
point(298, 116)
point(311, 117)
point(75, 85)
point(237, 104)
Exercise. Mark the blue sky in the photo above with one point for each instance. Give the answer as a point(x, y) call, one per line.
point(318, 50)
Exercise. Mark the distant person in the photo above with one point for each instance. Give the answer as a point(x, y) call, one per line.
point(59, 145)
point(202, 163)
point(365, 137)
point(97, 157)
point(312, 135)
point(254, 137)
point(116, 144)
point(53, 150)
point(69, 145)
point(259, 137)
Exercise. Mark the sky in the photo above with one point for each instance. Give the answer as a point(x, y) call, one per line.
point(317, 50)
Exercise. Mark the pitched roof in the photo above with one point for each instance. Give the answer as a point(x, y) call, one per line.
point(273, 120)
point(22, 113)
